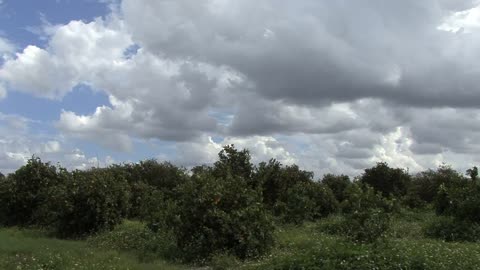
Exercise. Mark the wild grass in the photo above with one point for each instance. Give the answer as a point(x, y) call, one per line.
point(309, 246)
point(33, 249)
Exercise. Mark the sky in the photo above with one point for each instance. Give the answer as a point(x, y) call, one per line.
point(333, 86)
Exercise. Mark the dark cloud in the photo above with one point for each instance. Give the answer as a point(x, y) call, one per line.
point(313, 52)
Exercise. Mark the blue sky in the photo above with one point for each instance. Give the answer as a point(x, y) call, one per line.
point(19, 15)
point(333, 87)
point(19, 22)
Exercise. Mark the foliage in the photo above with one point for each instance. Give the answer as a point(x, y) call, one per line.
point(367, 213)
point(461, 201)
point(224, 262)
point(32, 249)
point(338, 184)
point(147, 175)
point(165, 176)
point(451, 229)
point(388, 181)
point(6, 200)
point(147, 203)
point(306, 201)
point(306, 247)
point(234, 162)
point(359, 197)
point(135, 237)
point(425, 185)
point(35, 189)
point(220, 215)
point(277, 179)
point(95, 201)
point(473, 173)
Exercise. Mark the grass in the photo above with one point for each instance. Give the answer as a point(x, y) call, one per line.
point(309, 246)
point(31, 249)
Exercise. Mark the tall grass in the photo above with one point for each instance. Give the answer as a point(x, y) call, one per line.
point(31, 249)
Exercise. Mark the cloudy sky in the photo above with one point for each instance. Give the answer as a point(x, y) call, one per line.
point(333, 86)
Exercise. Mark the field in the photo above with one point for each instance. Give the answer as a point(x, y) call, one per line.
point(308, 246)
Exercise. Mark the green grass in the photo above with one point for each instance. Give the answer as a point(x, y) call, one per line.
point(310, 247)
point(30, 249)
point(297, 247)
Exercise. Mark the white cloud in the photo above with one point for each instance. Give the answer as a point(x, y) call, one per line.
point(75, 53)
point(465, 21)
point(205, 150)
point(308, 82)
point(52, 147)
point(6, 47)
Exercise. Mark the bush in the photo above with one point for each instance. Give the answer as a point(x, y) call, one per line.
point(95, 201)
point(276, 179)
point(35, 188)
point(451, 229)
point(234, 162)
point(368, 225)
point(224, 262)
point(216, 215)
point(461, 202)
point(164, 176)
point(148, 175)
point(145, 201)
point(306, 201)
point(388, 181)
point(6, 201)
point(367, 213)
point(425, 185)
point(136, 237)
point(359, 197)
point(338, 184)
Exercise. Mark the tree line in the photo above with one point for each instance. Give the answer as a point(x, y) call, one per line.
point(233, 206)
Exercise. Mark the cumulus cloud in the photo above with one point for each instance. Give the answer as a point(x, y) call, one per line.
point(334, 86)
point(205, 150)
point(319, 51)
point(18, 143)
point(75, 50)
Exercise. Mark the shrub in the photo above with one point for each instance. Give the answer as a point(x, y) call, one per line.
point(359, 197)
point(6, 201)
point(338, 184)
point(412, 199)
point(216, 215)
point(367, 213)
point(461, 202)
point(36, 188)
point(368, 225)
point(335, 225)
point(234, 162)
point(95, 201)
point(165, 176)
point(150, 173)
point(224, 262)
point(425, 185)
point(388, 181)
point(306, 201)
point(145, 201)
point(136, 237)
point(276, 179)
point(451, 229)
